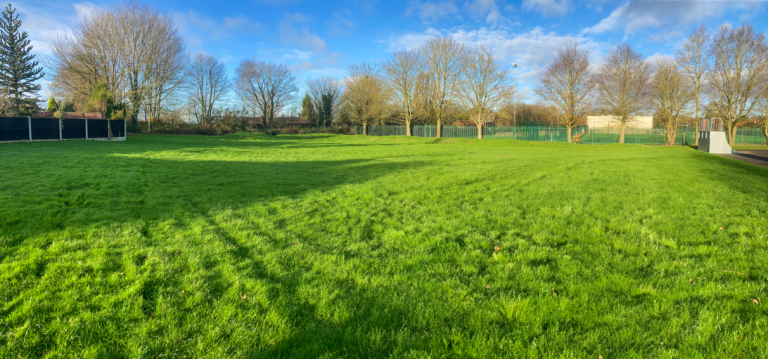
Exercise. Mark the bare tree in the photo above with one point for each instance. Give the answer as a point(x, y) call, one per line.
point(134, 49)
point(671, 94)
point(207, 83)
point(443, 62)
point(325, 92)
point(694, 60)
point(484, 86)
point(363, 100)
point(738, 75)
point(763, 108)
point(567, 84)
point(269, 87)
point(401, 69)
point(623, 85)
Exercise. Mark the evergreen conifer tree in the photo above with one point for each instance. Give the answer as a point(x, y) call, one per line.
point(18, 70)
point(308, 110)
point(53, 106)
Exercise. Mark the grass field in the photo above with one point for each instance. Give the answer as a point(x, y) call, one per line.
point(321, 246)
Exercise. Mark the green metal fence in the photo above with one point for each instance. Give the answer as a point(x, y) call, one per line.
point(640, 136)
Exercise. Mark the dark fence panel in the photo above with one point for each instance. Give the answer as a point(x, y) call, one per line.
point(14, 129)
point(45, 129)
point(118, 128)
point(73, 129)
point(98, 129)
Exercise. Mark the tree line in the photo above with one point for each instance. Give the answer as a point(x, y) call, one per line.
point(130, 61)
point(722, 74)
point(136, 53)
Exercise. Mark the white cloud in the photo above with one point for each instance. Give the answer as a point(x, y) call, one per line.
point(293, 32)
point(342, 20)
point(653, 59)
point(431, 11)
point(43, 27)
point(488, 10)
point(637, 15)
point(609, 23)
point(411, 41)
point(532, 50)
point(84, 10)
point(197, 27)
point(548, 7)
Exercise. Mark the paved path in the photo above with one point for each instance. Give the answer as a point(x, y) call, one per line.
point(756, 157)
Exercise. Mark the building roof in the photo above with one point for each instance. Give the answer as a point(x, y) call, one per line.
point(78, 115)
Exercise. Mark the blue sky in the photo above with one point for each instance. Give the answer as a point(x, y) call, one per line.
point(324, 37)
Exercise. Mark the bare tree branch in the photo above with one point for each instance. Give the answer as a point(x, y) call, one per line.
point(623, 85)
point(484, 86)
point(207, 83)
point(269, 87)
point(738, 75)
point(567, 84)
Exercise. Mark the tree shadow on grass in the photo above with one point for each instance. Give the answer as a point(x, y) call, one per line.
point(109, 190)
point(250, 141)
point(116, 187)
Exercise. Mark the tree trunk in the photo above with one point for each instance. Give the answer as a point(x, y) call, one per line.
point(671, 134)
point(623, 130)
point(570, 132)
point(439, 128)
point(480, 131)
point(408, 127)
point(365, 129)
point(697, 119)
point(732, 134)
point(765, 133)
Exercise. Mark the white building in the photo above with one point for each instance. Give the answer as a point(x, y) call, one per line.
point(613, 121)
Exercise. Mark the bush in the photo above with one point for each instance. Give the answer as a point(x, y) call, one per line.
point(293, 130)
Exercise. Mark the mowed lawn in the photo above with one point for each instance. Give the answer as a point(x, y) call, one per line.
point(322, 246)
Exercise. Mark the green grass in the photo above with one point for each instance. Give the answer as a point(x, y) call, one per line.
point(745, 148)
point(320, 246)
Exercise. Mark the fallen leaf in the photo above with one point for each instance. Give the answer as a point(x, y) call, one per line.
point(182, 292)
point(85, 270)
point(690, 280)
point(487, 287)
point(242, 296)
point(721, 228)
point(151, 315)
point(600, 357)
point(497, 248)
point(554, 293)
point(755, 300)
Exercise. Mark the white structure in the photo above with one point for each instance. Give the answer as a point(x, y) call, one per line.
point(613, 121)
point(712, 139)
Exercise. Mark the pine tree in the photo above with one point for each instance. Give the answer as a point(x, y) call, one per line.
point(53, 106)
point(18, 70)
point(308, 110)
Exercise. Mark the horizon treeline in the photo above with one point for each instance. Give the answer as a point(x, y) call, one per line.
point(130, 61)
